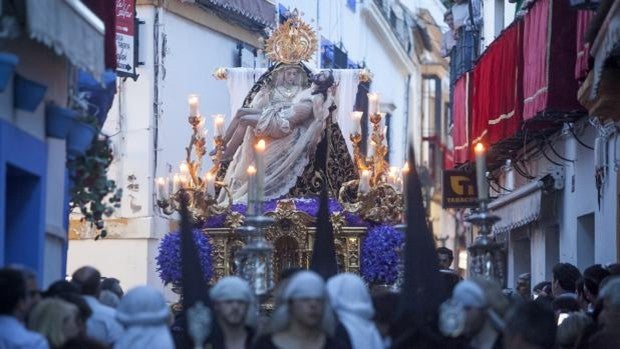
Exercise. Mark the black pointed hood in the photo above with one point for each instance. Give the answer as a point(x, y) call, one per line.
point(423, 288)
point(324, 250)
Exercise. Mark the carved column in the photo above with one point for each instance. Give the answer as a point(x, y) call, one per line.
point(219, 242)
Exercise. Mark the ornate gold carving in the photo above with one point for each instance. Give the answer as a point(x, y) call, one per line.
point(353, 254)
point(365, 75)
point(382, 204)
point(338, 221)
point(293, 231)
point(234, 220)
point(219, 253)
point(221, 73)
point(292, 42)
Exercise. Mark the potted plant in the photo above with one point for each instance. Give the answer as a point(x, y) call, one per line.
point(92, 193)
point(58, 120)
point(7, 67)
point(81, 135)
point(27, 93)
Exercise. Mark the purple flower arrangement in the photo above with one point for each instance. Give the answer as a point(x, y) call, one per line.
point(309, 206)
point(379, 257)
point(169, 257)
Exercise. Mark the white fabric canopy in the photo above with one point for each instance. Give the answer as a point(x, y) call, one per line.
point(71, 29)
point(239, 83)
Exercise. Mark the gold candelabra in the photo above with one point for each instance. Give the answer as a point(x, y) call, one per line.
point(189, 185)
point(377, 196)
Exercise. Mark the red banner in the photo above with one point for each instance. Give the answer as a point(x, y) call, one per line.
point(583, 48)
point(496, 98)
point(549, 56)
point(461, 109)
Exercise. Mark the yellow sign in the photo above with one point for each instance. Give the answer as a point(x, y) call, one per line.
point(459, 189)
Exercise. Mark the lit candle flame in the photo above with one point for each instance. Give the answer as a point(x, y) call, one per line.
point(261, 145)
point(251, 170)
point(184, 168)
point(405, 168)
point(479, 148)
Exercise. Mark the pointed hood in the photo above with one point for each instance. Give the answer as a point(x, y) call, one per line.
point(423, 288)
point(194, 286)
point(324, 251)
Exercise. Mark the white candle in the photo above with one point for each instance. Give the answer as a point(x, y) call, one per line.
point(357, 121)
point(161, 188)
point(219, 125)
point(393, 176)
point(259, 160)
point(170, 182)
point(210, 184)
point(481, 170)
point(176, 183)
point(404, 172)
point(193, 105)
point(364, 185)
point(251, 211)
point(373, 103)
point(184, 168)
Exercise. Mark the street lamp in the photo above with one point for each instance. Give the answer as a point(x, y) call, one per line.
point(486, 254)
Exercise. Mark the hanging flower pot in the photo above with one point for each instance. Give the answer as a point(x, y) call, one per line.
point(80, 138)
point(58, 120)
point(7, 66)
point(27, 93)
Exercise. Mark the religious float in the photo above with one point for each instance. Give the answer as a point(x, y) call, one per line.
point(255, 209)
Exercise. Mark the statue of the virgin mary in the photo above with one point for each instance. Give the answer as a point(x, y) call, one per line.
point(290, 108)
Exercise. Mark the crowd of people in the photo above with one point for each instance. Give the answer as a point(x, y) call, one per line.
point(573, 310)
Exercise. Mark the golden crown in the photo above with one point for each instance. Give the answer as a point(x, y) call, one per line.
point(292, 42)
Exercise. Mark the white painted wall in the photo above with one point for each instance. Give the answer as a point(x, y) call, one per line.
point(577, 199)
point(186, 62)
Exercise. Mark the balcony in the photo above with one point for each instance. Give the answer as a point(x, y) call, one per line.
point(399, 20)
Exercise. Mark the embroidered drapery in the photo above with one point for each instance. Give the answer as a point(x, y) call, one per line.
point(549, 56)
point(496, 107)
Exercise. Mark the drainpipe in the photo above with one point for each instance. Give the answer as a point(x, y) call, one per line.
point(157, 61)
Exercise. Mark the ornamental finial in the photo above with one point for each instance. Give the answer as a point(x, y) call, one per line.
point(292, 42)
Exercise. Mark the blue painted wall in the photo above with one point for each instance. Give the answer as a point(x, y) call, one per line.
point(23, 168)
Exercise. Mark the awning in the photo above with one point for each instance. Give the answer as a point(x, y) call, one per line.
point(71, 29)
point(606, 44)
point(252, 14)
point(518, 208)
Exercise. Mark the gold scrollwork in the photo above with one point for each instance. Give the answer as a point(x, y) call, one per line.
point(382, 204)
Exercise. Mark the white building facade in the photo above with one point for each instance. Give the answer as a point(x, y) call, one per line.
point(181, 44)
